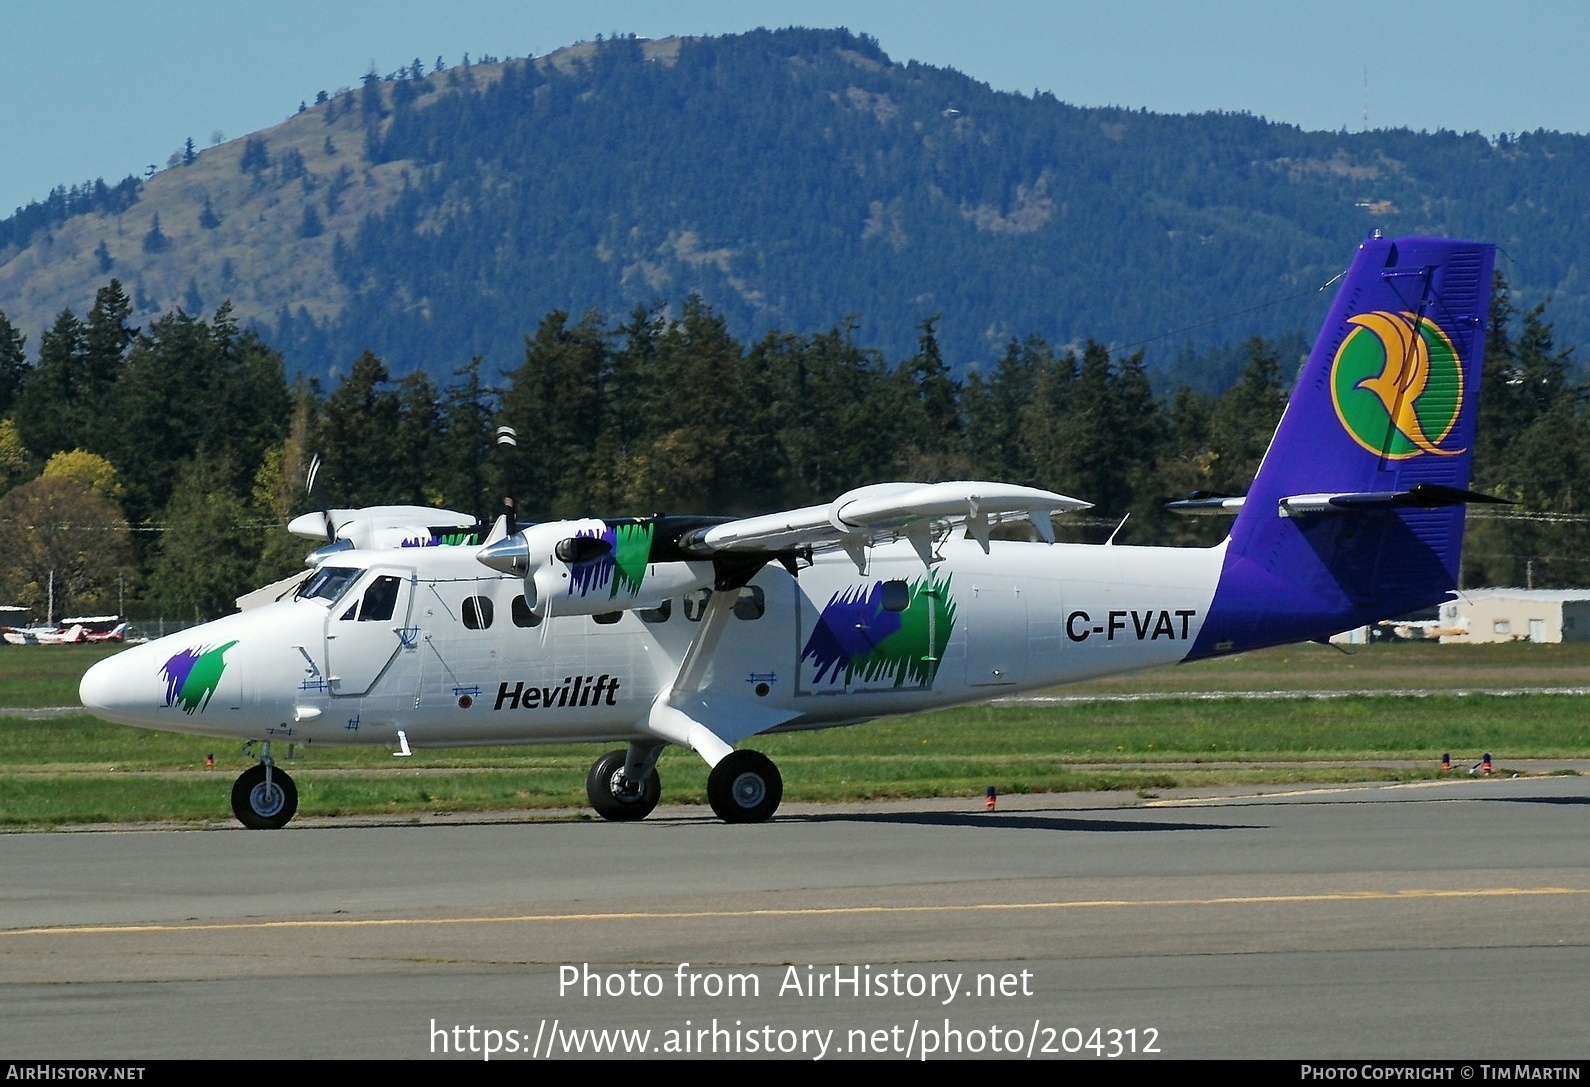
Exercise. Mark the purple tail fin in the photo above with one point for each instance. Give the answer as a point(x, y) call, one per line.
point(1381, 422)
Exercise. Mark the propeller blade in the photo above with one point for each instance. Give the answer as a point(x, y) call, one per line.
point(315, 497)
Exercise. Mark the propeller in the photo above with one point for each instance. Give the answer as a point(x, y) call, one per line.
point(507, 445)
point(318, 499)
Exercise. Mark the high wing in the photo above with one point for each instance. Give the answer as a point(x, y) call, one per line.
point(857, 519)
point(593, 566)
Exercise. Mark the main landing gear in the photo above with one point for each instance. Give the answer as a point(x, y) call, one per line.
point(745, 786)
point(264, 796)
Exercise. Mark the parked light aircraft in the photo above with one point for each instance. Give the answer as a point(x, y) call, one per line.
point(412, 630)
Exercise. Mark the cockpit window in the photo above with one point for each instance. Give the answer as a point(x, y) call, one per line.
point(379, 600)
point(328, 583)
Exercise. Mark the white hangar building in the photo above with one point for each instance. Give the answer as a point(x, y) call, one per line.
point(1516, 615)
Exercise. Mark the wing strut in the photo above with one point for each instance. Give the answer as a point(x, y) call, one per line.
point(708, 721)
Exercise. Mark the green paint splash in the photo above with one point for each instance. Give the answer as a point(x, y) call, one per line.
point(915, 651)
point(631, 551)
point(202, 681)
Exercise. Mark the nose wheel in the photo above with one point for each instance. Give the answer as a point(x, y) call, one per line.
point(617, 796)
point(745, 787)
point(264, 797)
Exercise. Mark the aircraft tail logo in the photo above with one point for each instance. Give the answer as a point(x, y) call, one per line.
point(1397, 385)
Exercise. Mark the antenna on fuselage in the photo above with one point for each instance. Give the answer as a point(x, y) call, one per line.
point(1111, 541)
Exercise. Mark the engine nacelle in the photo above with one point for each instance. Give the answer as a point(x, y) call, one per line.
point(591, 567)
point(380, 527)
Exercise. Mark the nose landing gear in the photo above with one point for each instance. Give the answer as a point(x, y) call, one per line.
point(264, 796)
point(618, 796)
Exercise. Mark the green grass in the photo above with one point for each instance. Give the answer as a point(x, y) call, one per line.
point(76, 769)
point(1384, 666)
point(47, 675)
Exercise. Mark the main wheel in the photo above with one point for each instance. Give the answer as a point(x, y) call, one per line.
point(616, 797)
point(261, 807)
point(745, 787)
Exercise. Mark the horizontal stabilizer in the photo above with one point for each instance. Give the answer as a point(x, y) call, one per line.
point(1419, 496)
point(1206, 503)
point(885, 511)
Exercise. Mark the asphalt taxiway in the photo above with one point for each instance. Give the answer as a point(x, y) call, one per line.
point(1447, 919)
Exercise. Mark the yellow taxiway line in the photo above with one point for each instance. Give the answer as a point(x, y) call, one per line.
point(813, 911)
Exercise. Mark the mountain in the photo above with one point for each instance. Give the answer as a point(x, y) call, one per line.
point(795, 179)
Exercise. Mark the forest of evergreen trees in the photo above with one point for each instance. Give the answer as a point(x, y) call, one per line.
point(791, 178)
point(795, 176)
point(163, 462)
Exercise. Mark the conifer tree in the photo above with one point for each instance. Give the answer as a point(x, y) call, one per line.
point(463, 474)
point(207, 554)
point(310, 224)
point(256, 157)
point(156, 241)
point(13, 363)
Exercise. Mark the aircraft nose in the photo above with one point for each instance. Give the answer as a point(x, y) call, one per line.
point(101, 686)
point(118, 689)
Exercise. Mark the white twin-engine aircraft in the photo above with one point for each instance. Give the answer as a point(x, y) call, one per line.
point(413, 628)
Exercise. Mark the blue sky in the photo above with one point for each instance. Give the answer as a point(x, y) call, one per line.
point(92, 88)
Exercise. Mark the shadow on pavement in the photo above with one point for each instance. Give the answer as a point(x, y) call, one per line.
point(1013, 821)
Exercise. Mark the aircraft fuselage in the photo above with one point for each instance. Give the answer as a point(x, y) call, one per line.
point(460, 662)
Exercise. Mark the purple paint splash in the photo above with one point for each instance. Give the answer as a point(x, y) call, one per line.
point(177, 670)
point(850, 627)
point(595, 573)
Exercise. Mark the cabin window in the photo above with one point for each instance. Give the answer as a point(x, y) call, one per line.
point(659, 614)
point(751, 603)
point(608, 618)
point(896, 596)
point(522, 615)
point(696, 604)
point(477, 612)
point(328, 583)
point(380, 600)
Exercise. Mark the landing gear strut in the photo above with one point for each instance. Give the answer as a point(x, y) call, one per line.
point(264, 796)
point(623, 789)
point(745, 787)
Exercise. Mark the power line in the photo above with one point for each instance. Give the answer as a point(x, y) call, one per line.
point(1236, 313)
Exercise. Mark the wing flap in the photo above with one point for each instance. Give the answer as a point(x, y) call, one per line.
point(885, 511)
